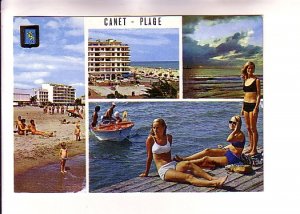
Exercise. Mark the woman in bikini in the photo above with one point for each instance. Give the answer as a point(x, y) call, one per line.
point(250, 107)
point(158, 145)
point(34, 131)
point(221, 156)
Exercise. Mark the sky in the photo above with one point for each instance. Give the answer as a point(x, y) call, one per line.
point(145, 44)
point(59, 57)
point(222, 40)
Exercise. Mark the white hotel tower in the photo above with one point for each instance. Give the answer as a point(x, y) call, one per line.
point(108, 60)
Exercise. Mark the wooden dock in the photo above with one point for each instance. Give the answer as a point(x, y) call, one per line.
point(235, 183)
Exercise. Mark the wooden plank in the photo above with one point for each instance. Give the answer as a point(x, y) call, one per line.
point(247, 186)
point(232, 185)
point(142, 188)
point(258, 188)
point(152, 183)
point(162, 186)
point(131, 182)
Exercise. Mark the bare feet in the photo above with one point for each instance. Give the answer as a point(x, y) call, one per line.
point(252, 153)
point(248, 150)
point(178, 158)
point(62, 172)
point(221, 181)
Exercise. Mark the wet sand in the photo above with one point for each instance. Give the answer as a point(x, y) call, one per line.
point(34, 151)
point(49, 178)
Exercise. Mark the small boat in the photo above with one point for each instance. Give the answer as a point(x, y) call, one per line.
point(113, 132)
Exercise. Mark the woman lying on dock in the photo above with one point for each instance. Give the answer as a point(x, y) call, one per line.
point(158, 147)
point(230, 154)
point(32, 129)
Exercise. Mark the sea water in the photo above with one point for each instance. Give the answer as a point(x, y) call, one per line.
point(194, 126)
point(157, 64)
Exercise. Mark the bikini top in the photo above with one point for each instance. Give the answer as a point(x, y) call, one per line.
point(239, 144)
point(251, 87)
point(158, 149)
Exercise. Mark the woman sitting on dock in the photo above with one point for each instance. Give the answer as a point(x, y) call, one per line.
point(158, 147)
point(230, 154)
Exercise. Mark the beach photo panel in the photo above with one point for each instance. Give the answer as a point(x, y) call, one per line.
point(117, 150)
point(215, 48)
point(49, 104)
point(133, 57)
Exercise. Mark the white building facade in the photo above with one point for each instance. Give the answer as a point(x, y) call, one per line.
point(56, 93)
point(108, 60)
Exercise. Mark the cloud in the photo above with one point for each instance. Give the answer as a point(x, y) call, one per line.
point(52, 24)
point(75, 47)
point(30, 76)
point(39, 81)
point(230, 50)
point(79, 84)
point(147, 37)
point(47, 62)
point(21, 21)
point(23, 86)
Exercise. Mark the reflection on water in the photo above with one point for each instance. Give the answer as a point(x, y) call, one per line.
point(49, 179)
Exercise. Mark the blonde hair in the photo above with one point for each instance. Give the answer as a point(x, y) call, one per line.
point(238, 119)
point(244, 69)
point(161, 122)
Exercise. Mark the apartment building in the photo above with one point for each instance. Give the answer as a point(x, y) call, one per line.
point(56, 93)
point(108, 60)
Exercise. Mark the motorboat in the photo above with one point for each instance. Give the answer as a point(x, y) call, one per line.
point(113, 132)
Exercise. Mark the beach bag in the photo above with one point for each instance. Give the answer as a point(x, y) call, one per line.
point(246, 159)
point(242, 169)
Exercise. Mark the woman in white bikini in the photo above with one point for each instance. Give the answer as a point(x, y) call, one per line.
point(158, 145)
point(250, 107)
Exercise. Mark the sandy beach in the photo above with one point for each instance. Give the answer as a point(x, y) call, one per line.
point(32, 151)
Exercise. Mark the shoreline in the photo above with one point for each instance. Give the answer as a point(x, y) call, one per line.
point(32, 151)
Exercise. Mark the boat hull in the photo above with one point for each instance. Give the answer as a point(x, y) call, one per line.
point(113, 132)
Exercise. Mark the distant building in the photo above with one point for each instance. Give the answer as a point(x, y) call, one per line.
point(108, 60)
point(41, 96)
point(56, 93)
point(22, 96)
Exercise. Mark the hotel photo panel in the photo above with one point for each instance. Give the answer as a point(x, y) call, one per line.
point(138, 104)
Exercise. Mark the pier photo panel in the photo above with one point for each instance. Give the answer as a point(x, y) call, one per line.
point(133, 57)
point(49, 105)
point(215, 49)
point(130, 141)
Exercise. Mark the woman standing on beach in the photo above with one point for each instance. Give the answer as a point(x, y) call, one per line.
point(251, 87)
point(158, 147)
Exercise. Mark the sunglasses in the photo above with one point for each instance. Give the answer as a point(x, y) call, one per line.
point(232, 122)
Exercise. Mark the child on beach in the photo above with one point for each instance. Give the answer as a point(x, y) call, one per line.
point(63, 153)
point(77, 131)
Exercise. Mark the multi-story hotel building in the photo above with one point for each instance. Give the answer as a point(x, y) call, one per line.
point(56, 93)
point(108, 60)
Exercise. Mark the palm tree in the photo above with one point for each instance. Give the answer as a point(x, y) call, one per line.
point(161, 89)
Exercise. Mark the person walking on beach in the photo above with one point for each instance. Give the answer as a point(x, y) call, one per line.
point(158, 147)
point(251, 87)
point(95, 116)
point(230, 154)
point(77, 131)
point(63, 153)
